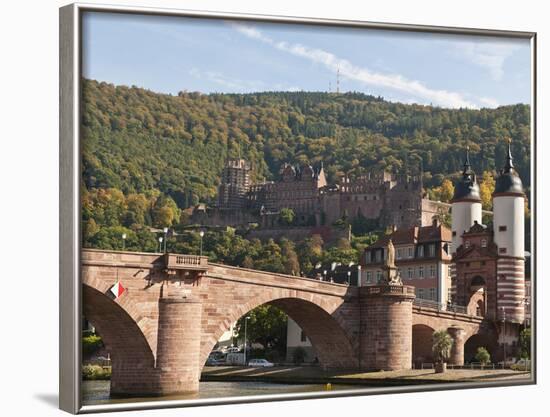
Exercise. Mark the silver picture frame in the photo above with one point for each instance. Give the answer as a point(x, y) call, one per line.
point(70, 307)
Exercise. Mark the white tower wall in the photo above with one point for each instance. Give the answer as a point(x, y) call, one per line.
point(508, 211)
point(464, 214)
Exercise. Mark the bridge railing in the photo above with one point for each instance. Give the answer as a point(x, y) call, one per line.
point(187, 262)
point(390, 289)
point(434, 305)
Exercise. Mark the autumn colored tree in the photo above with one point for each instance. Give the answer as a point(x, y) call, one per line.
point(486, 190)
point(444, 192)
point(290, 257)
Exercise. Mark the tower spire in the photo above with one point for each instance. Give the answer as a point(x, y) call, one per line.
point(509, 165)
point(467, 165)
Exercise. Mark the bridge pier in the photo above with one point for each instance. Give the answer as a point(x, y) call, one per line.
point(386, 327)
point(457, 350)
point(178, 346)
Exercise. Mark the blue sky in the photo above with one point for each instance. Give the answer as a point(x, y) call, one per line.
point(172, 54)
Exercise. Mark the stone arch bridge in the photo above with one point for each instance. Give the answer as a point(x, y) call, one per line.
point(161, 330)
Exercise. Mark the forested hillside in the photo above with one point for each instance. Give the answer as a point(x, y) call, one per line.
point(141, 142)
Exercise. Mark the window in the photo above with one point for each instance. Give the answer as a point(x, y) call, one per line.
point(303, 337)
point(410, 252)
point(431, 248)
point(501, 250)
point(421, 251)
point(369, 276)
point(467, 244)
point(483, 243)
point(399, 253)
point(409, 273)
point(368, 256)
point(420, 272)
point(432, 271)
point(378, 276)
point(420, 293)
point(432, 294)
point(378, 256)
point(454, 233)
point(502, 228)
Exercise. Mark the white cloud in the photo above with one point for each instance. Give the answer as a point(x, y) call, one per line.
point(398, 83)
point(488, 55)
point(488, 102)
point(238, 85)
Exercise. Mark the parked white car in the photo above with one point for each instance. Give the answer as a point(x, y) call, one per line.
point(261, 363)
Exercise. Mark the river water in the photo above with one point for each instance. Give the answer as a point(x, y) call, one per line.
point(97, 392)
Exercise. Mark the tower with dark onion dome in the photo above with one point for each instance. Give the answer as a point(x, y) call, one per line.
point(509, 234)
point(466, 203)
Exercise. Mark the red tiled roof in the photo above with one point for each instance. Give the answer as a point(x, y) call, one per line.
point(415, 235)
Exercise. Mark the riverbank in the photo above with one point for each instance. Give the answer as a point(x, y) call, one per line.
point(316, 375)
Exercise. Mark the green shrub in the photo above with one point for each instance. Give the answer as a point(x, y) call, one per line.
point(91, 343)
point(483, 356)
point(95, 372)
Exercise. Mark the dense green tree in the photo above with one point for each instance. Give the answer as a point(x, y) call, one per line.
point(135, 140)
point(266, 325)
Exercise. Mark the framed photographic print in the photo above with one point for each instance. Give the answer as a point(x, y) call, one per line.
point(256, 208)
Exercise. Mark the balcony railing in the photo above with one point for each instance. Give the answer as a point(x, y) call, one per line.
point(186, 262)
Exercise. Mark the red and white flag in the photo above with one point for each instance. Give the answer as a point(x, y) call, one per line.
point(117, 289)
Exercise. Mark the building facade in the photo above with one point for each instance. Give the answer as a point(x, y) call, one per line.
point(423, 259)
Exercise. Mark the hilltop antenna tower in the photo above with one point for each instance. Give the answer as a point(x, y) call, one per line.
point(338, 80)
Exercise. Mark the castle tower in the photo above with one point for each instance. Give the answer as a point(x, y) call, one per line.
point(508, 220)
point(466, 204)
point(234, 185)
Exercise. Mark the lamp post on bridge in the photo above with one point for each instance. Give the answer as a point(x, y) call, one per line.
point(165, 238)
point(123, 241)
point(526, 304)
point(201, 234)
point(245, 322)
point(160, 244)
point(349, 277)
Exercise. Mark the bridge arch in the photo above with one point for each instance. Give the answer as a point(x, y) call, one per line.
point(476, 303)
point(129, 350)
point(477, 340)
point(322, 321)
point(422, 344)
